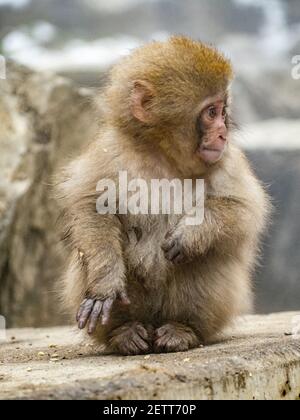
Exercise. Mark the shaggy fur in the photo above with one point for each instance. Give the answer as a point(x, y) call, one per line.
point(173, 308)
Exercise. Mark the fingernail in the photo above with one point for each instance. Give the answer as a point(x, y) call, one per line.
point(126, 301)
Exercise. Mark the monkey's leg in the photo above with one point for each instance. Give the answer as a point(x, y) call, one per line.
point(174, 337)
point(130, 339)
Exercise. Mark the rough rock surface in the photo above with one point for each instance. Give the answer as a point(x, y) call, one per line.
point(258, 359)
point(43, 119)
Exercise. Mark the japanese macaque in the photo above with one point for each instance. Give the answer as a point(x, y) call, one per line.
point(152, 283)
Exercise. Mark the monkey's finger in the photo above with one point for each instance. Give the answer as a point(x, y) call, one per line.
point(172, 253)
point(142, 332)
point(107, 305)
point(169, 234)
point(131, 347)
point(95, 316)
point(179, 259)
point(84, 316)
point(124, 298)
point(81, 307)
point(167, 245)
point(160, 332)
point(140, 343)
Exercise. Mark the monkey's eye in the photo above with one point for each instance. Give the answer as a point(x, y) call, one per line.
point(224, 112)
point(212, 112)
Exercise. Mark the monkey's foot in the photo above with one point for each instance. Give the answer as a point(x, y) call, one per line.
point(173, 337)
point(130, 339)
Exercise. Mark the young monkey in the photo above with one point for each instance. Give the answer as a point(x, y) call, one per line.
point(152, 283)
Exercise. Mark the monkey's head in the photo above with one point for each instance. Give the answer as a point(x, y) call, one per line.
point(175, 94)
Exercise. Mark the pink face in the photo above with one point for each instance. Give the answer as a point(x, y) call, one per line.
point(212, 130)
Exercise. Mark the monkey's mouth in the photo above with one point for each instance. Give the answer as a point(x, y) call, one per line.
point(210, 155)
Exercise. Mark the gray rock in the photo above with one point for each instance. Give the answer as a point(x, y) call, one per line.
point(43, 120)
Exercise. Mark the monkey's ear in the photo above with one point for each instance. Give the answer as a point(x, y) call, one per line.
point(141, 97)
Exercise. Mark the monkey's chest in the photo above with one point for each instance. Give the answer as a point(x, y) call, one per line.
point(143, 237)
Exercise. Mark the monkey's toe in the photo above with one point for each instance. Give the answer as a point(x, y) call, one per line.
point(130, 339)
point(173, 337)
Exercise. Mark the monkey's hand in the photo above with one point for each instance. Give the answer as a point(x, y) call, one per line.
point(219, 230)
point(92, 309)
point(174, 247)
point(184, 243)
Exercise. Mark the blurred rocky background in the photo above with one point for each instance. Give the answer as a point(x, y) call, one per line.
point(46, 118)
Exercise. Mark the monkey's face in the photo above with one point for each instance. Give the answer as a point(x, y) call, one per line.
point(199, 137)
point(193, 135)
point(212, 129)
point(174, 93)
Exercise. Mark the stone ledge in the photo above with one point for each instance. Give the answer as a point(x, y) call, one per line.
point(259, 359)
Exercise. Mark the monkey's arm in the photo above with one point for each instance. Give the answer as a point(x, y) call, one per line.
point(98, 240)
point(227, 222)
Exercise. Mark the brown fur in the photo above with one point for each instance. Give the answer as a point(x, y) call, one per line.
point(173, 308)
